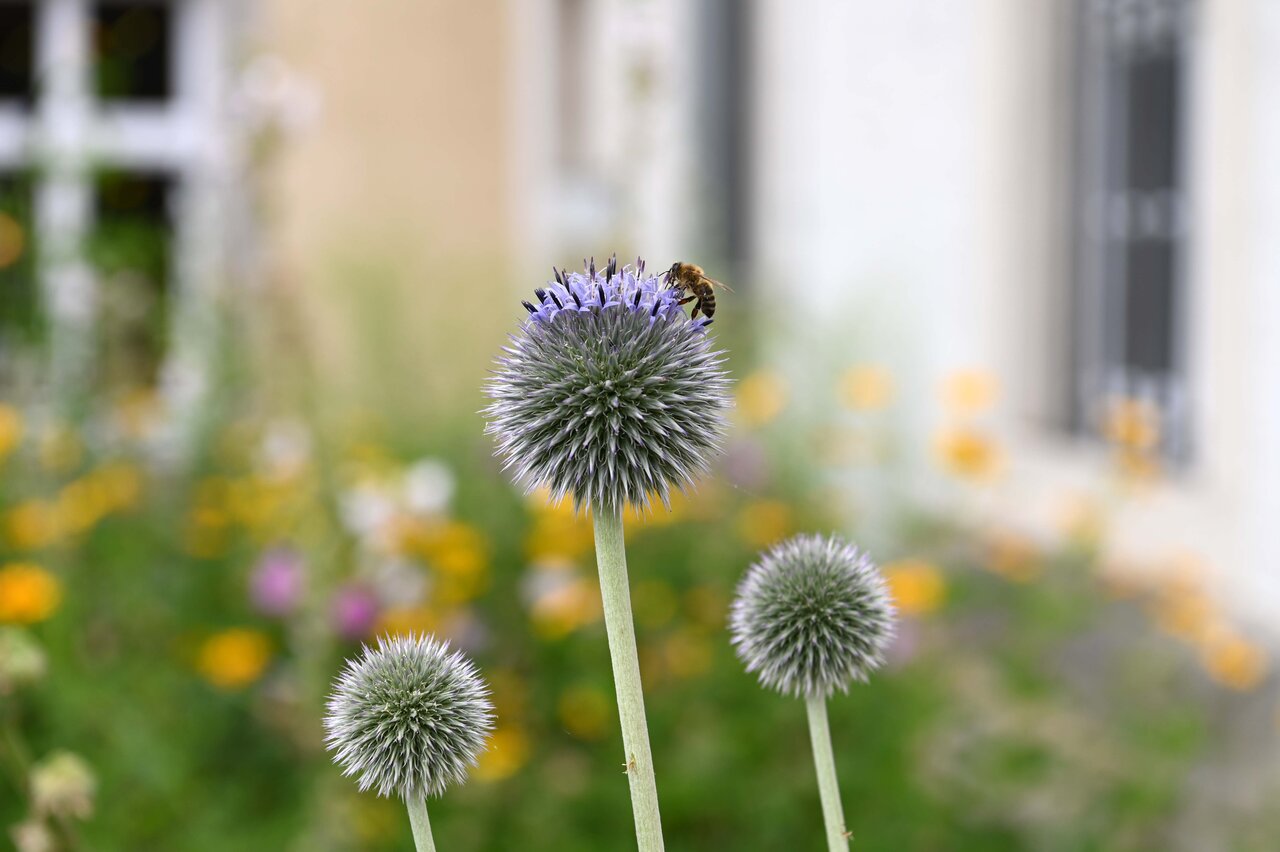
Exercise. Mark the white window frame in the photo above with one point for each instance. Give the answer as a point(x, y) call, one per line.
point(69, 131)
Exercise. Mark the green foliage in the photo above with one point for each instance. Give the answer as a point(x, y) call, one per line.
point(1037, 713)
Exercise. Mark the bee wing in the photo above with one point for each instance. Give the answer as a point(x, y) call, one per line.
point(714, 283)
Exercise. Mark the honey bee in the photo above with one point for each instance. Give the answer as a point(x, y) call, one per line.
point(687, 277)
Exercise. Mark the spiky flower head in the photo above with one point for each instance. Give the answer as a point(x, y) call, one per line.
point(408, 717)
point(811, 615)
point(609, 393)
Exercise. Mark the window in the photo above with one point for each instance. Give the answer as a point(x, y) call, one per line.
point(129, 248)
point(19, 298)
point(128, 190)
point(132, 44)
point(1130, 333)
point(16, 77)
point(724, 127)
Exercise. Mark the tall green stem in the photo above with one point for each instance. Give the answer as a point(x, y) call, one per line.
point(611, 557)
point(824, 762)
point(422, 839)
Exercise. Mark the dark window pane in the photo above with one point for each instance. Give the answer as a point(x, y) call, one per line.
point(1153, 121)
point(1150, 312)
point(132, 46)
point(16, 75)
point(131, 248)
point(19, 293)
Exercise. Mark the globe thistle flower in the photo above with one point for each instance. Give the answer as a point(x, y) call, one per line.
point(408, 717)
point(609, 392)
point(812, 615)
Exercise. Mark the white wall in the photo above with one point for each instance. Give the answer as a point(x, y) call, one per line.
point(913, 203)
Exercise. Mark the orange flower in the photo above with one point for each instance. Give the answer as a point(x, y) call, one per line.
point(13, 240)
point(1132, 424)
point(761, 398)
point(508, 750)
point(406, 620)
point(764, 522)
point(28, 593)
point(968, 392)
point(866, 388)
point(61, 449)
point(585, 711)
point(32, 524)
point(1012, 556)
point(687, 654)
point(10, 429)
point(968, 453)
point(917, 586)
point(234, 658)
point(1234, 661)
point(566, 607)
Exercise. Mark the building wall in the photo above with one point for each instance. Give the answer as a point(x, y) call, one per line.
point(392, 204)
point(914, 172)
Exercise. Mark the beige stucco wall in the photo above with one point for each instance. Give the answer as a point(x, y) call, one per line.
point(393, 200)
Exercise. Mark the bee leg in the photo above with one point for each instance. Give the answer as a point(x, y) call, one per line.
point(694, 313)
point(686, 301)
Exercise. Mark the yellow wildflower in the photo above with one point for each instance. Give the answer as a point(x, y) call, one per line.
point(968, 392)
point(28, 593)
point(207, 535)
point(764, 522)
point(1081, 521)
point(1012, 556)
point(32, 524)
point(707, 605)
point(917, 586)
point(559, 534)
point(122, 484)
point(866, 388)
point(585, 712)
point(1132, 424)
point(761, 398)
point(61, 449)
point(234, 658)
point(137, 413)
point(13, 240)
point(10, 429)
point(968, 453)
point(687, 654)
point(80, 505)
point(1184, 611)
point(508, 750)
point(1137, 468)
point(565, 608)
point(405, 620)
point(1234, 661)
point(657, 515)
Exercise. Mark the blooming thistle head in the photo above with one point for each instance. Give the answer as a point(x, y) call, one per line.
point(609, 393)
point(811, 615)
point(408, 717)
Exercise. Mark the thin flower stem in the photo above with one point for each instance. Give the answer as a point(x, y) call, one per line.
point(828, 785)
point(611, 558)
point(422, 840)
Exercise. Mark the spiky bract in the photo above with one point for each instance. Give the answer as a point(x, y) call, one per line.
point(811, 615)
point(408, 717)
point(609, 393)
